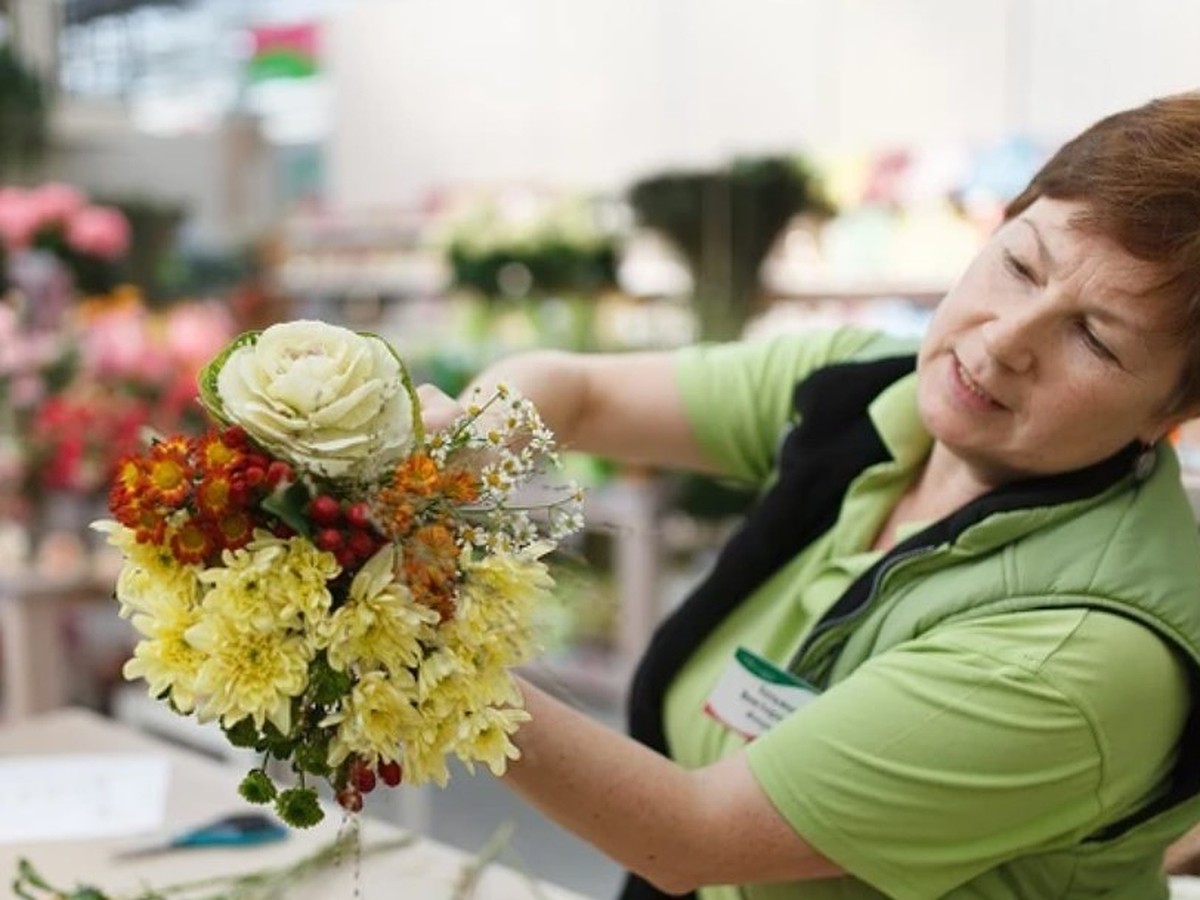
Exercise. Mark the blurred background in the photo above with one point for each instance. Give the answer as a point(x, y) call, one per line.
point(470, 178)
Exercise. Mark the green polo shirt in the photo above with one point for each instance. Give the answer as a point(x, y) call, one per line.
point(938, 762)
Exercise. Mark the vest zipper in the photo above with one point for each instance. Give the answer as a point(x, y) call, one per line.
point(823, 628)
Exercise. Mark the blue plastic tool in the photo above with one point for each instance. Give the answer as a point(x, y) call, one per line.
point(238, 830)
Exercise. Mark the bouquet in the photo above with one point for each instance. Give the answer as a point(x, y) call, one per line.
point(335, 587)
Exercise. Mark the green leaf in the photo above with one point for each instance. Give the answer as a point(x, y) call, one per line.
point(27, 872)
point(279, 745)
point(207, 381)
point(326, 683)
point(313, 757)
point(257, 787)
point(418, 425)
point(243, 734)
point(299, 807)
point(87, 893)
point(289, 505)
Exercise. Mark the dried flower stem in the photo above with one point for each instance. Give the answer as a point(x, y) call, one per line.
point(468, 880)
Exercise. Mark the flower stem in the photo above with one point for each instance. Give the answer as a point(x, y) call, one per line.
point(469, 878)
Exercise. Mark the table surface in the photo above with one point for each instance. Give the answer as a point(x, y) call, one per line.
point(200, 790)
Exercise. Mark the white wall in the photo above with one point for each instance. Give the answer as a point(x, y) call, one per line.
point(225, 178)
point(598, 92)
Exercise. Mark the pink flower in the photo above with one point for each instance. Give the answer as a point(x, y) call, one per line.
point(56, 202)
point(99, 231)
point(196, 332)
point(118, 343)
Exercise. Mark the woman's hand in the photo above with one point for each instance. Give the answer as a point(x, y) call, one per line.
point(438, 409)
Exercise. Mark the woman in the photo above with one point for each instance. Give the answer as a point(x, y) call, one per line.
point(950, 653)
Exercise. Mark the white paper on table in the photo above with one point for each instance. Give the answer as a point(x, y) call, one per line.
point(81, 796)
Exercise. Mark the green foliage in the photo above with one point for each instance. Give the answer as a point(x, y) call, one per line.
point(289, 505)
point(207, 382)
point(313, 757)
point(23, 115)
point(243, 734)
point(326, 684)
point(724, 222)
point(299, 807)
point(257, 787)
point(554, 267)
point(260, 884)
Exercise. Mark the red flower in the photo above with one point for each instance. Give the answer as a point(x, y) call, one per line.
point(192, 542)
point(235, 529)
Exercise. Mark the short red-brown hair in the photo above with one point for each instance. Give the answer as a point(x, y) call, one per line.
point(1137, 172)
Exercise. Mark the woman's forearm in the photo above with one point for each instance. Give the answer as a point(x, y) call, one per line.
point(623, 406)
point(677, 828)
point(636, 806)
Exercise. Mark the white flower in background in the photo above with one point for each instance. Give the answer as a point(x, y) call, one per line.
point(326, 399)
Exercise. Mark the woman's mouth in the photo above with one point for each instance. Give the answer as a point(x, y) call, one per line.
point(970, 390)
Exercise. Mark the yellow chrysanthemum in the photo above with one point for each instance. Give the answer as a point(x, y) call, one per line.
point(379, 625)
point(166, 660)
point(498, 601)
point(451, 685)
point(149, 574)
point(273, 583)
point(426, 751)
point(248, 671)
point(374, 718)
point(486, 737)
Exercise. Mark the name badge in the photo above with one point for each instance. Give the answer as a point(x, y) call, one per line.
point(753, 694)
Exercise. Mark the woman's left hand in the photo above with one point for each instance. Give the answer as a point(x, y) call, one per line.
point(438, 409)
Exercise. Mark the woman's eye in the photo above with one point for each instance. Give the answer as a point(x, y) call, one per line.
point(1094, 343)
point(1018, 268)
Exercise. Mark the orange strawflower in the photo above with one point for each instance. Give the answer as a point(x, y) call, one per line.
point(148, 523)
point(128, 477)
point(214, 494)
point(394, 512)
point(192, 542)
point(168, 472)
point(417, 475)
point(217, 454)
point(460, 486)
point(430, 567)
point(235, 529)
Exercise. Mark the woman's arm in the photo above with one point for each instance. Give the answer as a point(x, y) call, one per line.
point(623, 406)
point(677, 828)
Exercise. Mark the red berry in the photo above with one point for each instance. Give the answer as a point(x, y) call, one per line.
point(362, 778)
point(346, 558)
point(325, 510)
point(390, 772)
point(282, 530)
point(361, 544)
point(277, 472)
point(359, 515)
point(350, 799)
point(329, 539)
point(255, 475)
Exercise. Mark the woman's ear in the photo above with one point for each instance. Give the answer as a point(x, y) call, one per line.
point(1173, 421)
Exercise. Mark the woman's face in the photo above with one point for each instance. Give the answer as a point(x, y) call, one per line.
point(1043, 358)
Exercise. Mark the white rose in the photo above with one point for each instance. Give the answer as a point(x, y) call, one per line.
point(324, 398)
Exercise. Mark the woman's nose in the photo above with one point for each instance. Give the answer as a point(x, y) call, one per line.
point(1010, 339)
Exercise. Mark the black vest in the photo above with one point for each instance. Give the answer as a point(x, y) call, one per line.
point(834, 441)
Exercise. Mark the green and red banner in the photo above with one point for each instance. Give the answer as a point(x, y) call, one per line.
point(284, 51)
